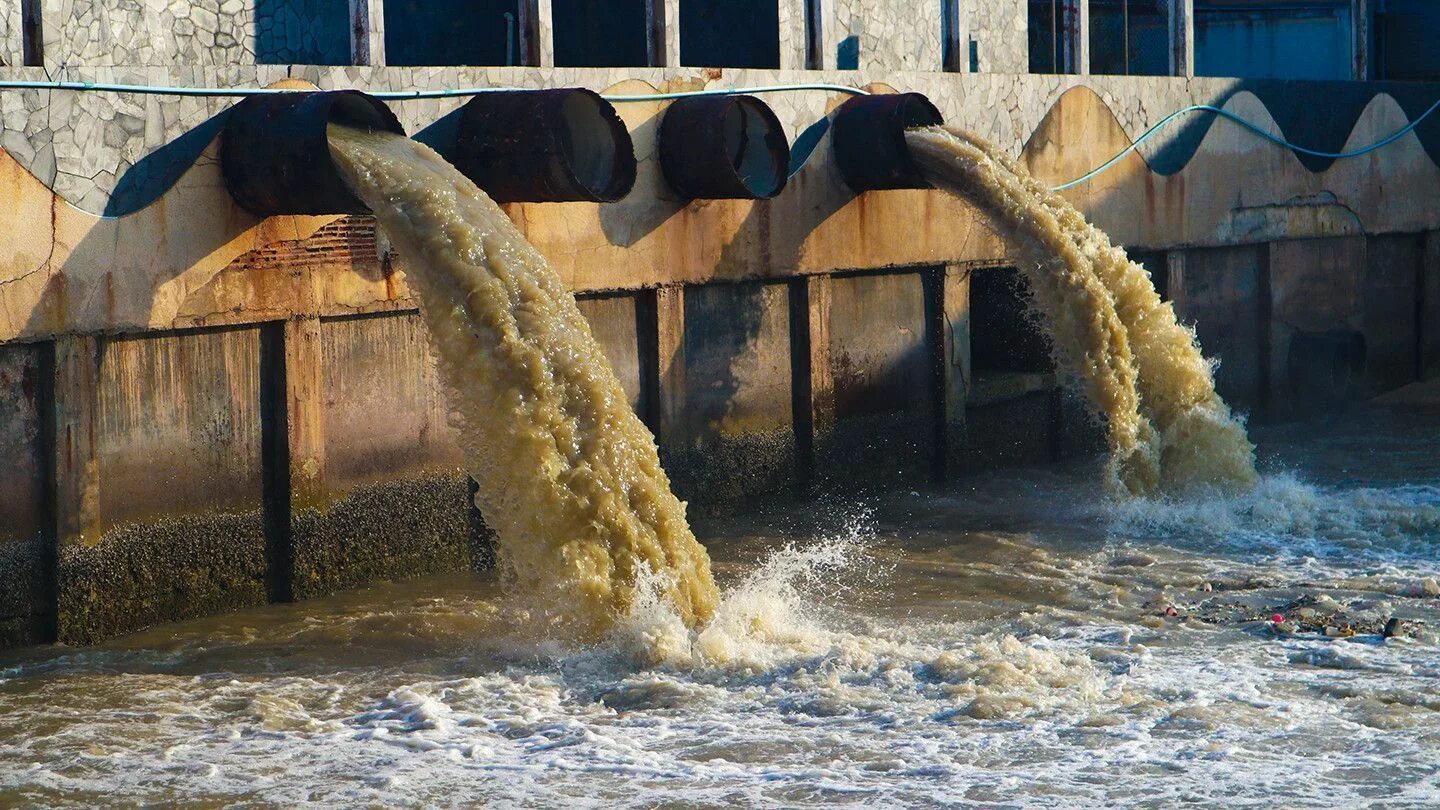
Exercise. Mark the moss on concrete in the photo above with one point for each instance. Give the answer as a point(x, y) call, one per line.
point(160, 571)
point(386, 531)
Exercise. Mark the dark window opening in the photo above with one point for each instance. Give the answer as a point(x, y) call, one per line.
point(1263, 39)
point(950, 35)
point(1046, 23)
point(1129, 37)
point(1405, 34)
point(32, 34)
point(730, 33)
point(601, 33)
point(814, 37)
point(447, 32)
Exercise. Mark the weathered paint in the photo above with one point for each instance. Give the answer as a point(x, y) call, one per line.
point(734, 438)
point(25, 590)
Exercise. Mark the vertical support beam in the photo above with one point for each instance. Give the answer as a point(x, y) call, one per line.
point(812, 387)
point(537, 33)
point(1428, 320)
point(955, 368)
point(304, 412)
point(1361, 17)
point(1182, 37)
point(292, 440)
point(367, 32)
point(1076, 36)
point(822, 377)
point(655, 33)
point(670, 364)
point(76, 466)
point(670, 25)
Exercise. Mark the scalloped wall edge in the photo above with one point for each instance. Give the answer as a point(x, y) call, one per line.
point(191, 257)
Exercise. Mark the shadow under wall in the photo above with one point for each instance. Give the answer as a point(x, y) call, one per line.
point(1293, 106)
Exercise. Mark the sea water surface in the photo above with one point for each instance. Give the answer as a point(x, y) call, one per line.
point(1000, 641)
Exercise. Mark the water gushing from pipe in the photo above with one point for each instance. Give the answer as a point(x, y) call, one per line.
point(1168, 428)
point(568, 476)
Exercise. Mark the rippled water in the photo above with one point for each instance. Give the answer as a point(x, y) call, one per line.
point(998, 641)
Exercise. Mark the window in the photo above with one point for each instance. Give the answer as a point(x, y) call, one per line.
point(601, 33)
point(1263, 39)
point(1405, 37)
point(32, 39)
point(730, 33)
point(950, 36)
point(1129, 37)
point(814, 37)
point(1046, 23)
point(454, 32)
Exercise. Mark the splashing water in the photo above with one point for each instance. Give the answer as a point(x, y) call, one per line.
point(1168, 428)
point(567, 475)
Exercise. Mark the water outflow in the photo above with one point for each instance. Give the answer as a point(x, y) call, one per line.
point(1138, 366)
point(568, 477)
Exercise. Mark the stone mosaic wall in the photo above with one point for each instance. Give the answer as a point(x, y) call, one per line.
point(111, 153)
point(86, 33)
point(11, 47)
point(881, 35)
point(999, 30)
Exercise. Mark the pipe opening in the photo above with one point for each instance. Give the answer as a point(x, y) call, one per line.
point(724, 147)
point(545, 146)
point(275, 151)
point(869, 140)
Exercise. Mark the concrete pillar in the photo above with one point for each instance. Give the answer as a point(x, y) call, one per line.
point(1361, 15)
point(822, 376)
point(367, 32)
point(305, 412)
point(537, 33)
point(669, 23)
point(670, 364)
point(955, 348)
point(1182, 37)
point(76, 465)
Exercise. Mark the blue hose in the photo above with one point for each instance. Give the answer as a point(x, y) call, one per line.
point(1275, 139)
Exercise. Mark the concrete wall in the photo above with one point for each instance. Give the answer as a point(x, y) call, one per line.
point(210, 410)
point(159, 499)
point(25, 547)
point(729, 409)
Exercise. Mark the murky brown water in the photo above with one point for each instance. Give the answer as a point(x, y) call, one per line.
point(999, 641)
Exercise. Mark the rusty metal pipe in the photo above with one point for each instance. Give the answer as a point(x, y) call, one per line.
point(275, 152)
point(564, 145)
point(723, 147)
point(868, 135)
